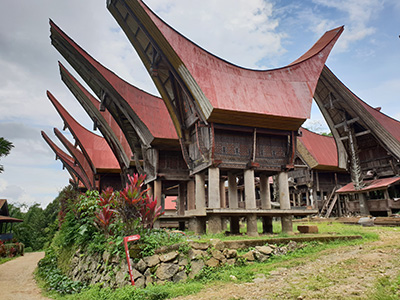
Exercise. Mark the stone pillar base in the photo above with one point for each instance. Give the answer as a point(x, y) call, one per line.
point(252, 225)
point(287, 224)
point(235, 225)
point(198, 225)
point(267, 225)
point(157, 224)
point(214, 224)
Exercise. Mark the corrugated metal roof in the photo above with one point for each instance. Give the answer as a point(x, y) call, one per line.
point(321, 148)
point(93, 146)
point(150, 109)
point(75, 170)
point(79, 158)
point(234, 89)
point(370, 185)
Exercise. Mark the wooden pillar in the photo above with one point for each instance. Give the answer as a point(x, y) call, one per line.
point(249, 189)
point(265, 194)
point(200, 191)
point(158, 191)
point(182, 198)
point(214, 221)
point(252, 225)
point(232, 191)
point(387, 198)
point(250, 199)
point(213, 188)
point(191, 204)
point(364, 211)
point(222, 193)
point(150, 190)
point(284, 201)
point(233, 202)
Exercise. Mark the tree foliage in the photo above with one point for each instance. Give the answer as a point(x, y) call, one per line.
point(39, 225)
point(5, 148)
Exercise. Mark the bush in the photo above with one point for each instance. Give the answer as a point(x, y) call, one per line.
point(54, 279)
point(11, 249)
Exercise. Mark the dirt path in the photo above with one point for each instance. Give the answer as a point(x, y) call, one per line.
point(16, 278)
point(345, 273)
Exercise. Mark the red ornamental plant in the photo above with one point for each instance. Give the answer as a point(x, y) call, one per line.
point(149, 211)
point(105, 217)
point(135, 206)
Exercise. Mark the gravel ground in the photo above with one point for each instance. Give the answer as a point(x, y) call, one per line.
point(16, 278)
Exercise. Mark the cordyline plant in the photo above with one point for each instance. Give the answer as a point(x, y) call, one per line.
point(105, 217)
point(133, 205)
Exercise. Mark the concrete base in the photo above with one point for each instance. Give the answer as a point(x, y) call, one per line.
point(197, 225)
point(235, 226)
point(252, 225)
point(267, 225)
point(157, 224)
point(287, 224)
point(214, 224)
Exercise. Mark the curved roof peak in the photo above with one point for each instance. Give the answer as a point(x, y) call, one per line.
point(76, 171)
point(94, 147)
point(146, 106)
point(219, 91)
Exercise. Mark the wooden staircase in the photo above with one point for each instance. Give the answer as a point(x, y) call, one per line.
point(329, 203)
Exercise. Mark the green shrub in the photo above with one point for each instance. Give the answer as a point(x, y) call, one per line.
point(53, 277)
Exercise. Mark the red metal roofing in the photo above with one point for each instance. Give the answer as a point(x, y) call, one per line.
point(150, 109)
point(94, 147)
point(170, 203)
point(283, 92)
point(74, 169)
point(79, 157)
point(106, 115)
point(322, 148)
point(390, 124)
point(370, 185)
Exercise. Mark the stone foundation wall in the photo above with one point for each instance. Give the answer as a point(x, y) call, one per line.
point(167, 265)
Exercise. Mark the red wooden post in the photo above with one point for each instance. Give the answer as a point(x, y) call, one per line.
point(126, 240)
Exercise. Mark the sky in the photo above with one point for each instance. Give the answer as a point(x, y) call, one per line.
point(258, 34)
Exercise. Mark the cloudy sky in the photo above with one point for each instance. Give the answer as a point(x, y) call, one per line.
point(256, 34)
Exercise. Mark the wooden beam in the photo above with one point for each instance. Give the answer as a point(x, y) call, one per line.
point(343, 138)
point(347, 122)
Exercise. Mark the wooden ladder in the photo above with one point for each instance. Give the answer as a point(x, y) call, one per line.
point(329, 203)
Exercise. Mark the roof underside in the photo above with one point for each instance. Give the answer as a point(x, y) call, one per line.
point(103, 120)
point(227, 93)
point(341, 107)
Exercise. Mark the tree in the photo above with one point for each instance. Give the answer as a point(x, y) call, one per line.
point(5, 148)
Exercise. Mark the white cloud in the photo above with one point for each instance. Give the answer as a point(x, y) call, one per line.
point(242, 32)
point(358, 15)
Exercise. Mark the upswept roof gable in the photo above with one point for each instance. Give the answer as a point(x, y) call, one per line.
point(280, 93)
point(94, 147)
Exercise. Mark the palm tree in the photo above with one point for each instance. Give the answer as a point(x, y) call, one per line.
point(5, 148)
